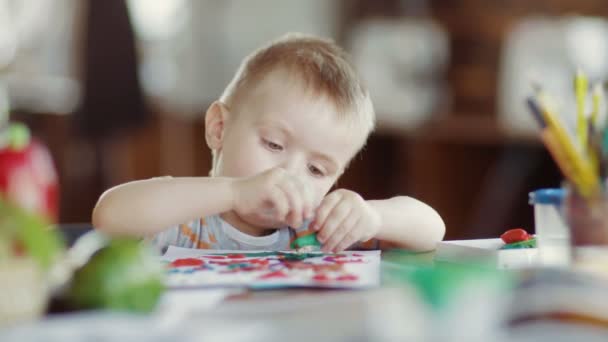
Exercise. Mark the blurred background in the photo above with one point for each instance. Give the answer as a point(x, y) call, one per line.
point(117, 90)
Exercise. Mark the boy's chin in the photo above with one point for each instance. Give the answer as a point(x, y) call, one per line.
point(262, 223)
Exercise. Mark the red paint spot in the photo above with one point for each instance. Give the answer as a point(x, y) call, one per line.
point(347, 277)
point(273, 275)
point(259, 261)
point(357, 255)
point(236, 256)
point(187, 262)
point(320, 277)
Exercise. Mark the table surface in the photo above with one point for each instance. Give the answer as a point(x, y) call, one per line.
point(335, 314)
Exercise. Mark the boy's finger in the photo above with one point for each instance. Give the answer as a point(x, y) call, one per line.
point(279, 203)
point(327, 205)
point(294, 199)
point(334, 222)
point(307, 199)
point(350, 238)
point(343, 229)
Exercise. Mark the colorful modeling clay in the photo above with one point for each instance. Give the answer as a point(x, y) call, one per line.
point(306, 243)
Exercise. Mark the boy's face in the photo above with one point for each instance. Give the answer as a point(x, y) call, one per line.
point(280, 124)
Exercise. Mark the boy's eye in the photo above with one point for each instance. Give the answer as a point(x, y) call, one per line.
point(315, 171)
point(273, 146)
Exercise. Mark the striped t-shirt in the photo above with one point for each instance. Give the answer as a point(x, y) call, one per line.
point(213, 232)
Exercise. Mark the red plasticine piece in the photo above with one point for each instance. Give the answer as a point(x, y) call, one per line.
point(515, 235)
point(259, 261)
point(187, 262)
point(236, 256)
point(320, 277)
point(347, 277)
point(275, 274)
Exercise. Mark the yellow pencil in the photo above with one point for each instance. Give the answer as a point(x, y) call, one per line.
point(548, 138)
point(580, 89)
point(596, 98)
point(565, 165)
point(592, 126)
point(586, 175)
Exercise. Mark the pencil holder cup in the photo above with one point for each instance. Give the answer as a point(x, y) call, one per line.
point(587, 219)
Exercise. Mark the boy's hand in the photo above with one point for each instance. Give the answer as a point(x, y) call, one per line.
point(273, 198)
point(344, 218)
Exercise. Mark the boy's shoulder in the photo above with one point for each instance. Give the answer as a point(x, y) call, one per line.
point(198, 233)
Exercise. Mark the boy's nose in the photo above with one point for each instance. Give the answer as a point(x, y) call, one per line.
point(294, 166)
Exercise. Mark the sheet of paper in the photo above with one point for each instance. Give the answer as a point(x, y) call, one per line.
point(267, 269)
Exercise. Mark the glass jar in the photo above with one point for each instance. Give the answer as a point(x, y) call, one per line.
point(587, 219)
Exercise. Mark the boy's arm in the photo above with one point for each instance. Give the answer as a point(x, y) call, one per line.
point(149, 206)
point(408, 223)
point(344, 218)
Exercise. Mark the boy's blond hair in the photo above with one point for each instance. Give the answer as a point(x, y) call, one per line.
point(322, 65)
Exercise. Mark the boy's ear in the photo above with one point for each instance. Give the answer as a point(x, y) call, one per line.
point(215, 123)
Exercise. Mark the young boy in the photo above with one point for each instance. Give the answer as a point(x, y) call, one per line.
point(281, 135)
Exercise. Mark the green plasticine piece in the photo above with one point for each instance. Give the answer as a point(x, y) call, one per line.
point(300, 256)
point(306, 241)
point(530, 243)
point(290, 256)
